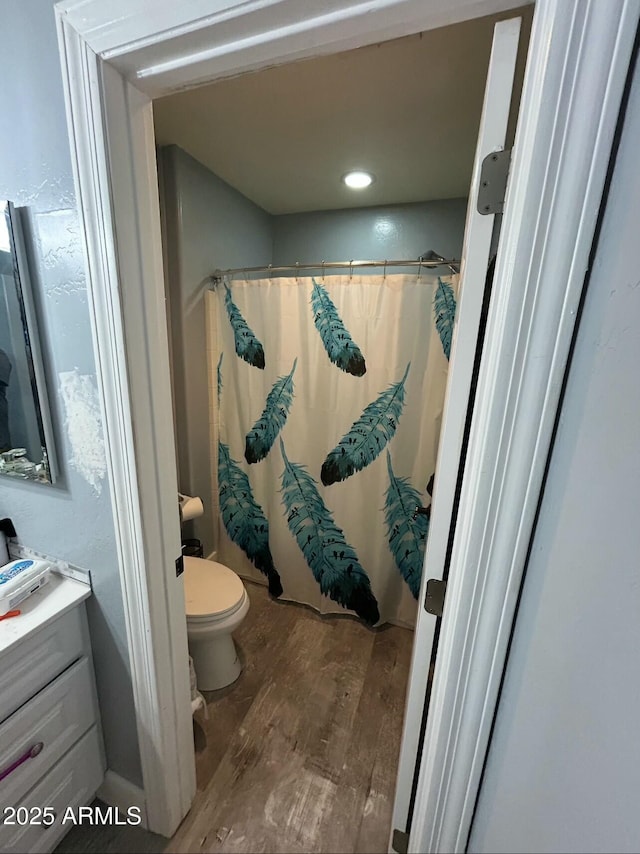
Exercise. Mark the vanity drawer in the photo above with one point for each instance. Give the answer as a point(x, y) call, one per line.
point(54, 718)
point(37, 660)
point(72, 783)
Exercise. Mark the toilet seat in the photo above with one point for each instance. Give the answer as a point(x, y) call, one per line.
point(212, 591)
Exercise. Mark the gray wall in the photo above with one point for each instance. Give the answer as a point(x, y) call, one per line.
point(73, 519)
point(563, 771)
point(207, 225)
point(393, 232)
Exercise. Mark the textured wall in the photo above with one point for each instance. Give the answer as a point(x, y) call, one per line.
point(207, 225)
point(72, 519)
point(564, 766)
point(393, 232)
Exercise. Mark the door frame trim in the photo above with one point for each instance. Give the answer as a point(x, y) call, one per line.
point(541, 267)
point(476, 252)
point(118, 54)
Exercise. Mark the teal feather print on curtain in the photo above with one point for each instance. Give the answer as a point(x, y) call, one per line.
point(219, 376)
point(444, 313)
point(264, 432)
point(243, 518)
point(247, 345)
point(340, 347)
point(368, 435)
point(406, 534)
point(332, 560)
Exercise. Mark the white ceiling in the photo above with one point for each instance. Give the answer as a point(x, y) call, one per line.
point(407, 110)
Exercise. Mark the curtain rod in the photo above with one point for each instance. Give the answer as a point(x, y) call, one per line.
point(453, 264)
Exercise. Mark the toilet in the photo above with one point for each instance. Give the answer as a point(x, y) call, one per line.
point(216, 602)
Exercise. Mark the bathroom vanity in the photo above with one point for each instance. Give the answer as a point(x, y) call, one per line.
point(51, 755)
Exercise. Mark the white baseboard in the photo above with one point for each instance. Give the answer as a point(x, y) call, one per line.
point(118, 792)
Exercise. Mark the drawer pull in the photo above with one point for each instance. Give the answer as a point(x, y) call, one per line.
point(33, 751)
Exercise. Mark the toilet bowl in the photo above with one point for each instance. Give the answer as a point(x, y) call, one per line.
point(216, 602)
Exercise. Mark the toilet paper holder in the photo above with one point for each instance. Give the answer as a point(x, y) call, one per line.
point(191, 507)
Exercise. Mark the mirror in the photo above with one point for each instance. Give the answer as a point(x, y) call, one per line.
point(25, 425)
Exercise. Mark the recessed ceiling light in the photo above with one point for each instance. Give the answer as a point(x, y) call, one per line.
point(358, 179)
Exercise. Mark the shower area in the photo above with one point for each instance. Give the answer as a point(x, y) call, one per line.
point(310, 355)
point(310, 322)
point(326, 389)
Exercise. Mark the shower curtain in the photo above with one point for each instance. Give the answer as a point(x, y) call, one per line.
point(326, 406)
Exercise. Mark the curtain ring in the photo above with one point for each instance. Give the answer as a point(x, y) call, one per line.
point(384, 273)
point(419, 266)
point(246, 278)
point(297, 270)
point(323, 271)
point(351, 269)
point(270, 271)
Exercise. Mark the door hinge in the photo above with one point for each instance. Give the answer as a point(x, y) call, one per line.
point(400, 841)
point(434, 600)
point(493, 182)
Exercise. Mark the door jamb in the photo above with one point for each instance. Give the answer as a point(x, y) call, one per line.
point(118, 54)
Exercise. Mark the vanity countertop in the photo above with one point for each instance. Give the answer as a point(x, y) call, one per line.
point(54, 599)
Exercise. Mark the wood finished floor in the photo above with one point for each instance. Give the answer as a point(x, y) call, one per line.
point(301, 753)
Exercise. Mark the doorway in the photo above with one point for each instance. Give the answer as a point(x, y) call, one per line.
point(250, 177)
point(111, 73)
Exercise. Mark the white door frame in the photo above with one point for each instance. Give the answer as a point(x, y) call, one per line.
point(116, 56)
point(476, 254)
